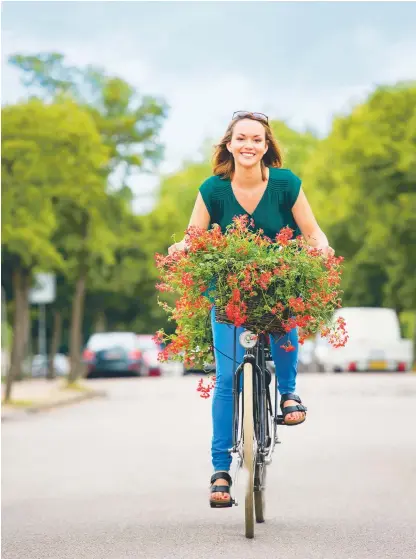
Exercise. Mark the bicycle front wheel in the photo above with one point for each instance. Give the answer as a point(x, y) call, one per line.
point(249, 447)
point(260, 474)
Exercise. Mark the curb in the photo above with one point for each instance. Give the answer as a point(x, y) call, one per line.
point(12, 413)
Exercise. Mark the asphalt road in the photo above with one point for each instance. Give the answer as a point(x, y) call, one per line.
point(127, 476)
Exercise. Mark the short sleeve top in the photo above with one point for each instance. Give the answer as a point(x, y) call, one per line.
point(273, 212)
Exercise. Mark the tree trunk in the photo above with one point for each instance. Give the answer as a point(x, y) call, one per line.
point(55, 342)
point(21, 285)
point(75, 339)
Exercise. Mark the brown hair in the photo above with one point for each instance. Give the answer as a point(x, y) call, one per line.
point(223, 161)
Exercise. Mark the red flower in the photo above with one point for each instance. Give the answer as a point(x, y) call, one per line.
point(158, 337)
point(187, 279)
point(206, 389)
point(236, 296)
point(164, 287)
point(288, 347)
point(236, 313)
point(284, 236)
point(297, 304)
point(264, 279)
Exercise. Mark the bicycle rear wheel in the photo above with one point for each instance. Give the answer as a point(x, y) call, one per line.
point(260, 471)
point(249, 448)
point(259, 496)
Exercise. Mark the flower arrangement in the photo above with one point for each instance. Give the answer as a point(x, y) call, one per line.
point(253, 281)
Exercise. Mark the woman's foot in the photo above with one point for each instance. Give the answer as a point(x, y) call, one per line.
point(296, 416)
point(221, 497)
point(297, 413)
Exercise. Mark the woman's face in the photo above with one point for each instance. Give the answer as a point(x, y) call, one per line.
point(248, 143)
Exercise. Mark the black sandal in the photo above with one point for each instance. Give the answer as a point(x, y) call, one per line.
point(291, 409)
point(221, 489)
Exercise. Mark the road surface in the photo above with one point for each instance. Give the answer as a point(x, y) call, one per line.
point(127, 476)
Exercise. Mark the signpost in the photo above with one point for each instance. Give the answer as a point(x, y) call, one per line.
point(42, 293)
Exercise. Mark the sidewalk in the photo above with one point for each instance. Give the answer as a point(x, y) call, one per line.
point(36, 395)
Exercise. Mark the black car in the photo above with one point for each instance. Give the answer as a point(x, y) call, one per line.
point(113, 353)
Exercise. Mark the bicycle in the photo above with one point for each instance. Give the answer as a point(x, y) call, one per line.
point(255, 428)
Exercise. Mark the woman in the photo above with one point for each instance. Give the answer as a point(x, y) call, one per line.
point(249, 180)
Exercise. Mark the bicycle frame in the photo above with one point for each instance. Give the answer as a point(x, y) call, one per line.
point(265, 417)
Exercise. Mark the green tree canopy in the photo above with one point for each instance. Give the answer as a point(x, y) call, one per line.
point(363, 177)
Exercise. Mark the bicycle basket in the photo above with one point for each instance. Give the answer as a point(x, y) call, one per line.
point(268, 322)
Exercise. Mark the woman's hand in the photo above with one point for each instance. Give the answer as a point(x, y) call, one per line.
point(177, 247)
point(326, 250)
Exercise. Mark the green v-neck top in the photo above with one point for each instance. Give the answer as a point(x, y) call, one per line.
point(273, 212)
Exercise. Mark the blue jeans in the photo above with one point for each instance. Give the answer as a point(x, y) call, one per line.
point(222, 405)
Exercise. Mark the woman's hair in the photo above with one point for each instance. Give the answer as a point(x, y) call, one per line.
point(223, 160)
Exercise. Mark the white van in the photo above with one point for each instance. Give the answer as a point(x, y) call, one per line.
point(374, 343)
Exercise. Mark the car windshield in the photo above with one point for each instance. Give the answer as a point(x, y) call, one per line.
point(146, 343)
point(109, 340)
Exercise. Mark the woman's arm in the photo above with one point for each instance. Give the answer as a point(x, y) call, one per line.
point(199, 218)
point(303, 215)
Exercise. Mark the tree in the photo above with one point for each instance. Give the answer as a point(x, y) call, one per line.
point(129, 126)
point(297, 147)
point(51, 152)
point(128, 122)
point(363, 176)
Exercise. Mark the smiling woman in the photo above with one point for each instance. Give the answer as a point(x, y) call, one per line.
point(250, 138)
point(249, 180)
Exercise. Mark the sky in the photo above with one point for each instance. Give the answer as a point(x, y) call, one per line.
point(302, 62)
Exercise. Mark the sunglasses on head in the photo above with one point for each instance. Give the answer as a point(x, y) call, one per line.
point(244, 114)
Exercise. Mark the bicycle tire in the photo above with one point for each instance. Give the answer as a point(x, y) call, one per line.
point(248, 448)
point(259, 496)
point(260, 477)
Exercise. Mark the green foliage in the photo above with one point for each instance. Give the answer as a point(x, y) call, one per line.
point(45, 72)
point(408, 324)
point(94, 231)
point(128, 122)
point(51, 154)
point(363, 184)
point(297, 147)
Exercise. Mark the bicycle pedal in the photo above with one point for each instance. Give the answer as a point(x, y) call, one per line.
point(225, 506)
point(280, 420)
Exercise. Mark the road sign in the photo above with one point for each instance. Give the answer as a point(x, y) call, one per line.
point(44, 290)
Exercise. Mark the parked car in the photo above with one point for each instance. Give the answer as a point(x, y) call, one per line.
point(150, 351)
point(113, 353)
point(37, 366)
point(374, 343)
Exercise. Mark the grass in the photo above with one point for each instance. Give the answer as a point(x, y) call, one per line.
point(76, 386)
point(18, 403)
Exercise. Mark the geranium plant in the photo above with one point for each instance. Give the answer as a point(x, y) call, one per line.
point(266, 285)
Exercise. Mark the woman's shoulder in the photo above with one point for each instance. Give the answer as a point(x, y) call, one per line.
point(213, 185)
point(285, 177)
point(284, 181)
